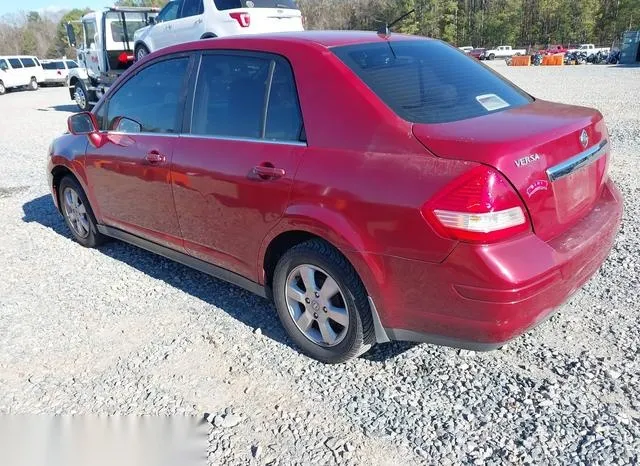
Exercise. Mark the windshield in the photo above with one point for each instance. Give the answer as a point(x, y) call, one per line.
point(233, 4)
point(428, 81)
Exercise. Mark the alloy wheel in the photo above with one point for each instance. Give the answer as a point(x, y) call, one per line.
point(80, 98)
point(317, 305)
point(76, 212)
point(141, 53)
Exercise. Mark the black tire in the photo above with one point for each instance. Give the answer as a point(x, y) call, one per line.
point(492, 56)
point(93, 238)
point(140, 52)
point(360, 335)
point(33, 84)
point(3, 90)
point(82, 103)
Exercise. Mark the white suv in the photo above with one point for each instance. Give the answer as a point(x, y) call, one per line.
point(20, 71)
point(188, 20)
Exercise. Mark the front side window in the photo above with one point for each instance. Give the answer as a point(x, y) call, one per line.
point(28, 63)
point(151, 98)
point(192, 8)
point(3, 65)
point(90, 33)
point(233, 4)
point(427, 81)
point(15, 63)
point(169, 12)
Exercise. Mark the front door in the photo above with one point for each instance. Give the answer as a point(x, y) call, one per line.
point(129, 177)
point(233, 172)
point(161, 34)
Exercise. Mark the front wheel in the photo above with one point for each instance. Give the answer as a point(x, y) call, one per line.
point(322, 303)
point(81, 97)
point(141, 52)
point(78, 214)
point(492, 56)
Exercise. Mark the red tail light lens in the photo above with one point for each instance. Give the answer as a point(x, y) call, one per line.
point(124, 57)
point(478, 207)
point(243, 19)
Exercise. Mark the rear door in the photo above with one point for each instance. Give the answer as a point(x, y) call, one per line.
point(190, 24)
point(232, 173)
point(129, 177)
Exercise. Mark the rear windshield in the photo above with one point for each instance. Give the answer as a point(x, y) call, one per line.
point(232, 4)
point(428, 81)
point(54, 65)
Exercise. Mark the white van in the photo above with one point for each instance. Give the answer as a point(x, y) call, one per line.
point(188, 20)
point(57, 71)
point(20, 71)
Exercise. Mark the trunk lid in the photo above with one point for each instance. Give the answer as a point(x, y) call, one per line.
point(538, 148)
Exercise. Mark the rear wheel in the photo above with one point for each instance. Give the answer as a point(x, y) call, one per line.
point(492, 56)
point(33, 84)
point(322, 303)
point(78, 214)
point(3, 90)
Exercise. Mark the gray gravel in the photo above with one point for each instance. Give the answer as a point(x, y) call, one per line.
point(119, 330)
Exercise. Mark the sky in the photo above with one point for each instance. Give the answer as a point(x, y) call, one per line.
point(9, 6)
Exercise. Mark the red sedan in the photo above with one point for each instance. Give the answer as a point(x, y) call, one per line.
point(376, 187)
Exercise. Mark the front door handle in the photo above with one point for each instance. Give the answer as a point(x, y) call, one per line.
point(267, 171)
point(198, 21)
point(154, 157)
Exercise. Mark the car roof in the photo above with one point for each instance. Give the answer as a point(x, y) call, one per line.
point(326, 39)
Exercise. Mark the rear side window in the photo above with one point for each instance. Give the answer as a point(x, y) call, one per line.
point(151, 98)
point(427, 81)
point(71, 64)
point(191, 8)
point(15, 63)
point(55, 65)
point(232, 4)
point(246, 97)
point(28, 63)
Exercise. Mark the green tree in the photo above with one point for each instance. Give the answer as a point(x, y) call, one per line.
point(60, 45)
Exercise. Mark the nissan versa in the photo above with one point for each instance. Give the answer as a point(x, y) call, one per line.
point(377, 187)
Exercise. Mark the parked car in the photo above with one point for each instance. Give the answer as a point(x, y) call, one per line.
point(187, 20)
point(504, 51)
point(553, 49)
point(478, 53)
point(20, 71)
point(589, 49)
point(410, 194)
point(57, 71)
point(466, 49)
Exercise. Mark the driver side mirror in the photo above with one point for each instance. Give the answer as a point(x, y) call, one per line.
point(86, 123)
point(71, 35)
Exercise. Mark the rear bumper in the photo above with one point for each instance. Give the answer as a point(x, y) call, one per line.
point(482, 296)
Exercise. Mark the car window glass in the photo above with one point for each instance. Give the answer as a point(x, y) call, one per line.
point(28, 62)
point(3, 65)
point(15, 63)
point(169, 12)
point(191, 8)
point(89, 32)
point(284, 122)
point(151, 97)
point(229, 97)
point(427, 81)
point(71, 64)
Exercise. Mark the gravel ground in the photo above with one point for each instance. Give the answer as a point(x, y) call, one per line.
point(119, 330)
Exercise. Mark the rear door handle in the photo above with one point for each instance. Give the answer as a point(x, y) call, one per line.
point(267, 171)
point(154, 157)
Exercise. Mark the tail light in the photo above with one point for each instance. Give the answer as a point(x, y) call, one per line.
point(124, 58)
point(243, 19)
point(478, 207)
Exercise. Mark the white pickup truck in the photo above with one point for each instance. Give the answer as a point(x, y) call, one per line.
point(503, 51)
point(589, 49)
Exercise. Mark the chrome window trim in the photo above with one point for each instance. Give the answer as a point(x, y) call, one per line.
point(241, 139)
point(144, 133)
point(578, 161)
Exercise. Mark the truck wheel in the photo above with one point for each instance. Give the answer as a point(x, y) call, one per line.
point(141, 52)
point(33, 84)
point(492, 56)
point(3, 90)
point(81, 97)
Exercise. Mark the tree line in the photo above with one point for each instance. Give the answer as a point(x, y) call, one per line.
point(525, 23)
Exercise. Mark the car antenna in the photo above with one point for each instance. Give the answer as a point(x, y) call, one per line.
point(385, 30)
